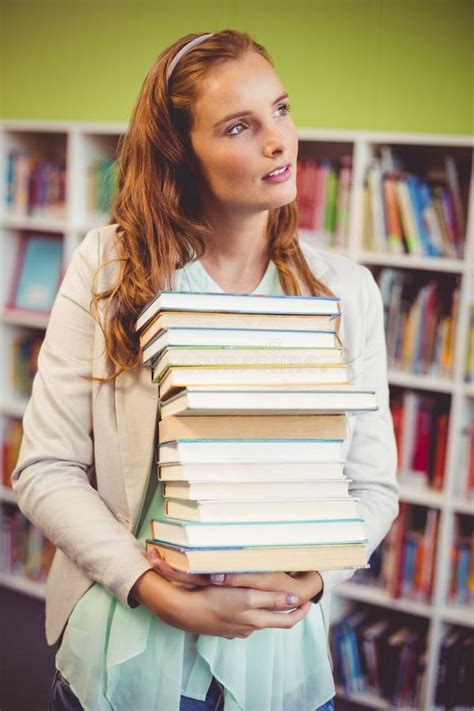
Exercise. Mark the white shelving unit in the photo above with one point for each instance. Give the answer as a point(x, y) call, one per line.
point(81, 143)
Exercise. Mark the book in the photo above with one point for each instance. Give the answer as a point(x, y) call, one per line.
point(237, 337)
point(175, 379)
point(248, 450)
point(251, 471)
point(266, 533)
point(266, 558)
point(194, 401)
point(228, 357)
point(236, 303)
point(177, 319)
point(224, 490)
point(208, 511)
point(276, 427)
point(37, 273)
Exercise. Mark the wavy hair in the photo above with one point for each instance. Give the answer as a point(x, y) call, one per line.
point(156, 208)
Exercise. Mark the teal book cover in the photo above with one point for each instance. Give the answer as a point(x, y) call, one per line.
point(38, 273)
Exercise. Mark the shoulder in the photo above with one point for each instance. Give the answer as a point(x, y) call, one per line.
point(100, 244)
point(340, 273)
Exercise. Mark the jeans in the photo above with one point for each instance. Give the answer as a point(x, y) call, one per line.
point(63, 699)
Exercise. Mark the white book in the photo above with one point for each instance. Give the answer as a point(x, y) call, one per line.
point(268, 510)
point(179, 378)
point(238, 303)
point(267, 533)
point(221, 356)
point(253, 451)
point(251, 471)
point(252, 401)
point(223, 490)
point(237, 337)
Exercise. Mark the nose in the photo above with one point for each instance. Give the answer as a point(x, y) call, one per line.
point(274, 142)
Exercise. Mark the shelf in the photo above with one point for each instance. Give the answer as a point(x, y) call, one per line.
point(21, 584)
point(384, 137)
point(364, 699)
point(23, 317)
point(13, 407)
point(464, 504)
point(409, 261)
point(421, 382)
point(367, 699)
point(423, 495)
point(376, 596)
point(32, 222)
point(459, 615)
point(7, 495)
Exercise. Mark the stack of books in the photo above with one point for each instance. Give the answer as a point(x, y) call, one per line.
point(254, 393)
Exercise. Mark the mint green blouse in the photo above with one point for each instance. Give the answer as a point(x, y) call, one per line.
point(122, 659)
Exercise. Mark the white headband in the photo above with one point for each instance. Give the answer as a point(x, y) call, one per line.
point(184, 50)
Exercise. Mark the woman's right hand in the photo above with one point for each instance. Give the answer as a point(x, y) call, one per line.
point(219, 611)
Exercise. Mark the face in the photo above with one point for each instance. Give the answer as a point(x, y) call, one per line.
point(241, 132)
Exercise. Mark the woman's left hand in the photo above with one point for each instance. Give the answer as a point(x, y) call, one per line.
point(306, 585)
point(187, 580)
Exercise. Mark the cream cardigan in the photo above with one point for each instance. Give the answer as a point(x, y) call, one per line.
point(87, 447)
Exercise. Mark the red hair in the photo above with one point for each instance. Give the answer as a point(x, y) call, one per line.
point(156, 210)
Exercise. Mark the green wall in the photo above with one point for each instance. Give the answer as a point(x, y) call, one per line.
point(361, 64)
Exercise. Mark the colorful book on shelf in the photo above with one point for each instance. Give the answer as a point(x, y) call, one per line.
point(461, 589)
point(343, 202)
point(261, 558)
point(454, 673)
point(35, 185)
point(237, 303)
point(393, 223)
point(37, 272)
point(420, 321)
point(408, 554)
point(379, 655)
point(379, 228)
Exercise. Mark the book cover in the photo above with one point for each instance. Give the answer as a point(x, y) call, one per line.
point(37, 273)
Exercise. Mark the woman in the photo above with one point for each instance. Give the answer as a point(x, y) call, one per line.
point(206, 203)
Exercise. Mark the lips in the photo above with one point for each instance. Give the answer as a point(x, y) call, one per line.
point(277, 171)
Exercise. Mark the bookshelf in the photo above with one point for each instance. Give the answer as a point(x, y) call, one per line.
point(80, 146)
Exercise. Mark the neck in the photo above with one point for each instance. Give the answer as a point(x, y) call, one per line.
point(237, 254)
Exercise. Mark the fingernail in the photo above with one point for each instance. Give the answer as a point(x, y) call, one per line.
point(217, 578)
point(291, 599)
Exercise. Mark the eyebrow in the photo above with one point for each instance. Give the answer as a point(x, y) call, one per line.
point(240, 114)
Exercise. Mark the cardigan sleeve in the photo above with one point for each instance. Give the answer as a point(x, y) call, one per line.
point(52, 479)
point(372, 456)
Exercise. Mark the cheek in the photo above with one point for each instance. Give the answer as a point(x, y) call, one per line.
point(228, 169)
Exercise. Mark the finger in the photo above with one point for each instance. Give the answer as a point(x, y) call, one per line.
point(258, 581)
point(166, 571)
point(265, 618)
point(251, 599)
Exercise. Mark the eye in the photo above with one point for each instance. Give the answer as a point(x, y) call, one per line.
point(231, 131)
point(284, 109)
